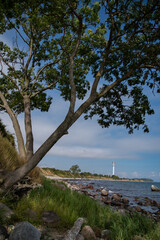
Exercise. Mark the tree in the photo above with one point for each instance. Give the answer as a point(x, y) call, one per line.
point(103, 52)
point(75, 169)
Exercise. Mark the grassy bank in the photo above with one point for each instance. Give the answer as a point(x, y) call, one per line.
point(71, 205)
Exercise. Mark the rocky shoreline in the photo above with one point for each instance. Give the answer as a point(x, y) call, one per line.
point(25, 230)
point(116, 201)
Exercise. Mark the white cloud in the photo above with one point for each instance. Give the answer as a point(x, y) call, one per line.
point(86, 139)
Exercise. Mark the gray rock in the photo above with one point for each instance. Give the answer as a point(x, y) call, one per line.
point(88, 233)
point(74, 231)
point(116, 197)
point(51, 218)
point(105, 234)
point(3, 233)
point(6, 211)
point(25, 231)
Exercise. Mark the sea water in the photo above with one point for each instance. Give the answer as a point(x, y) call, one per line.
point(129, 189)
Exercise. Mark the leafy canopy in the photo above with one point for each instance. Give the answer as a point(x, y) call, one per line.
point(118, 43)
point(75, 169)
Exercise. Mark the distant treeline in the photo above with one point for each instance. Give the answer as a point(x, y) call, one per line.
point(70, 174)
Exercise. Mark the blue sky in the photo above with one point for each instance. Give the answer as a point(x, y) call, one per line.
point(94, 148)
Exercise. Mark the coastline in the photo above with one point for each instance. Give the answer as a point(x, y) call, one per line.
point(115, 200)
point(91, 179)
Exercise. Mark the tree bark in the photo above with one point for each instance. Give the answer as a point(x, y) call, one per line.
point(28, 127)
point(19, 173)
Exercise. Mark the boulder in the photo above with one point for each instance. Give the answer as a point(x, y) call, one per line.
point(25, 231)
point(107, 201)
point(6, 211)
point(116, 197)
point(51, 218)
point(104, 192)
point(105, 234)
point(88, 233)
point(116, 203)
point(3, 233)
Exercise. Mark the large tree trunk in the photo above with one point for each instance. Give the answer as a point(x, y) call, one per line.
point(19, 173)
point(28, 127)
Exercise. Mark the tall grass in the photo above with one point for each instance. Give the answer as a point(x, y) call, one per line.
point(9, 158)
point(71, 205)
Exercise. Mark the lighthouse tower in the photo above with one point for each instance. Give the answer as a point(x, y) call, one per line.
point(113, 164)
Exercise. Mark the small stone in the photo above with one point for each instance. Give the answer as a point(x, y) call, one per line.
point(88, 233)
point(104, 192)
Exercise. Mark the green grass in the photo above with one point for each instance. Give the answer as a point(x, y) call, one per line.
point(71, 205)
point(9, 159)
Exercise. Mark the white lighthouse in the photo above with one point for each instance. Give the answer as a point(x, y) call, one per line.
point(113, 164)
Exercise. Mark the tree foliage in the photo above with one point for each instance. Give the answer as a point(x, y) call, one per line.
point(75, 169)
point(104, 53)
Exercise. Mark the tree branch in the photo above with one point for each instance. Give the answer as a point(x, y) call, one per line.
point(17, 31)
point(71, 66)
point(41, 70)
point(13, 69)
point(30, 55)
point(107, 89)
point(101, 70)
point(42, 90)
point(13, 81)
point(150, 66)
